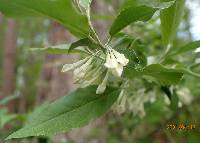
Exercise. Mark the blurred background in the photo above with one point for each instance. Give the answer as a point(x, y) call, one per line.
point(29, 79)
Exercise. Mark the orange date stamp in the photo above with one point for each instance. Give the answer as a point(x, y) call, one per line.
point(181, 126)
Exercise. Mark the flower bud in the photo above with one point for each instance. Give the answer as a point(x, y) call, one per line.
point(68, 67)
point(102, 87)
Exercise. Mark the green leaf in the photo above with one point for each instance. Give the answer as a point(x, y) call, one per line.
point(131, 15)
point(58, 49)
point(150, 3)
point(122, 41)
point(167, 92)
point(61, 11)
point(171, 94)
point(188, 71)
point(72, 111)
point(174, 101)
point(8, 99)
point(154, 112)
point(170, 20)
point(83, 42)
point(156, 73)
point(186, 48)
point(131, 72)
point(164, 76)
point(5, 117)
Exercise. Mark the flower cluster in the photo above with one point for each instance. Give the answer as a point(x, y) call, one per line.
point(96, 69)
point(133, 103)
point(88, 72)
point(115, 62)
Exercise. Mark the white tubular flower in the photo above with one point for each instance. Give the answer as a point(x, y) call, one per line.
point(120, 105)
point(90, 74)
point(115, 61)
point(120, 58)
point(102, 87)
point(117, 71)
point(185, 96)
point(166, 100)
point(93, 78)
point(80, 72)
point(68, 67)
point(111, 61)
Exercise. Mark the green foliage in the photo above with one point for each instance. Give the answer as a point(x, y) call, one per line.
point(58, 49)
point(174, 101)
point(186, 48)
point(122, 53)
point(72, 111)
point(164, 75)
point(130, 15)
point(61, 11)
point(5, 117)
point(173, 97)
point(170, 20)
point(157, 73)
point(81, 43)
point(8, 99)
point(152, 3)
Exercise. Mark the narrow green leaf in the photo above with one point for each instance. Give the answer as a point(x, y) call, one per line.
point(122, 41)
point(8, 99)
point(58, 49)
point(150, 3)
point(174, 101)
point(131, 72)
point(5, 117)
point(190, 72)
point(186, 48)
point(83, 42)
point(157, 73)
point(72, 111)
point(170, 20)
point(164, 76)
point(61, 11)
point(131, 15)
point(171, 94)
point(167, 92)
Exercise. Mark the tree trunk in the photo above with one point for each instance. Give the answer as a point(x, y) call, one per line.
point(9, 62)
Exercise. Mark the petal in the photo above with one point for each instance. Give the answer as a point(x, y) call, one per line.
point(102, 87)
point(81, 71)
point(120, 58)
point(93, 79)
point(111, 61)
point(117, 71)
point(68, 67)
point(121, 103)
point(92, 72)
point(79, 75)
